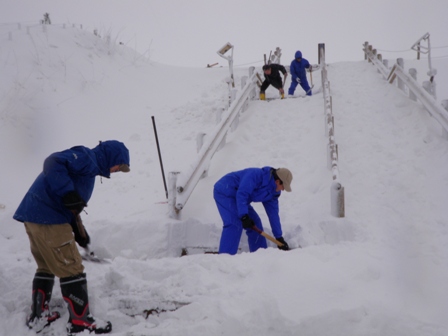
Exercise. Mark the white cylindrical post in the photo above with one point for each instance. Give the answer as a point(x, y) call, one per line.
point(337, 200)
point(251, 75)
point(413, 73)
point(380, 58)
point(427, 86)
point(172, 211)
point(233, 94)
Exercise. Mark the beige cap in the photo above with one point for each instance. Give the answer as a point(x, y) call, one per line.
point(124, 168)
point(286, 176)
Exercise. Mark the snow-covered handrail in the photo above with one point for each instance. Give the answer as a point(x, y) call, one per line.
point(337, 190)
point(406, 80)
point(182, 184)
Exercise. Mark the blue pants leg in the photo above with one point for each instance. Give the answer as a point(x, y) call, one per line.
point(305, 86)
point(292, 88)
point(232, 226)
point(254, 239)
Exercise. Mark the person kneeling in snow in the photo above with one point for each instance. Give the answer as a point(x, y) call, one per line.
point(233, 194)
point(51, 211)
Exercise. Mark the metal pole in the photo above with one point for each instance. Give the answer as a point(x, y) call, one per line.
point(160, 156)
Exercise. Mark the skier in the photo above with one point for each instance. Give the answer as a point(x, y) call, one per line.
point(272, 77)
point(51, 211)
point(298, 74)
point(233, 194)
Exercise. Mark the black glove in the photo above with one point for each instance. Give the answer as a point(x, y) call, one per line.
point(82, 238)
point(73, 202)
point(248, 223)
point(285, 246)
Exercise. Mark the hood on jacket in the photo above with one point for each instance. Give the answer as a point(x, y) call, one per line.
point(111, 153)
point(298, 54)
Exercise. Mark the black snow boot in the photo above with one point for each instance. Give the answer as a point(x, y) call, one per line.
point(74, 291)
point(41, 316)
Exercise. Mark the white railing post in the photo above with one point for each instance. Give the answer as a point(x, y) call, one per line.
point(336, 189)
point(337, 200)
point(172, 211)
point(400, 82)
point(413, 73)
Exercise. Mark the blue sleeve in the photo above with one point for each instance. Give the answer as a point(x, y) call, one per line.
point(306, 64)
point(251, 180)
point(61, 168)
point(272, 210)
point(292, 70)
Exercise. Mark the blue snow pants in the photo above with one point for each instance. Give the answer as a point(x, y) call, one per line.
point(304, 84)
point(233, 228)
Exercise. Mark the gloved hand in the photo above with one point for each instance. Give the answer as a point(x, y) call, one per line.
point(298, 80)
point(248, 223)
point(80, 232)
point(285, 246)
point(74, 202)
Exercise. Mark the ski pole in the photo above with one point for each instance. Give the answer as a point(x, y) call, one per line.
point(264, 234)
point(160, 156)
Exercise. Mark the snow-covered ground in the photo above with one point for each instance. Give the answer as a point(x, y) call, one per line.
point(381, 270)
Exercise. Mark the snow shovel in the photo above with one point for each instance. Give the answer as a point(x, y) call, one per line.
point(264, 234)
point(88, 255)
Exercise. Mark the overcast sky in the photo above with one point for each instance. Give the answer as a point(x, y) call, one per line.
point(188, 33)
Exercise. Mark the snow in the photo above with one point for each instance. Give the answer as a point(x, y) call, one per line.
point(381, 270)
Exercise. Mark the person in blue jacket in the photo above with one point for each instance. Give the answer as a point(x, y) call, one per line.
point(298, 74)
point(233, 195)
point(50, 212)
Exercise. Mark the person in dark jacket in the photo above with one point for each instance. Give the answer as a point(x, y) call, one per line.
point(298, 74)
point(234, 194)
point(272, 77)
point(51, 211)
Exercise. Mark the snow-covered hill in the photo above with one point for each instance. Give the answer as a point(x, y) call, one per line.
point(382, 270)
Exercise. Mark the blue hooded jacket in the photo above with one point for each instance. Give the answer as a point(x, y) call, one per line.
point(73, 169)
point(297, 68)
point(253, 185)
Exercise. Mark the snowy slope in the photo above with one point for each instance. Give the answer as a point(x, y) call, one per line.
point(382, 270)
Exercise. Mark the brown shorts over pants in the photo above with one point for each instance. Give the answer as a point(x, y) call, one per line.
point(54, 249)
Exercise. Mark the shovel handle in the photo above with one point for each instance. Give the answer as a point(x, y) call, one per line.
point(264, 234)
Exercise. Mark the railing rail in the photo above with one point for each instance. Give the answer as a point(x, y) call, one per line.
point(407, 81)
point(182, 184)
